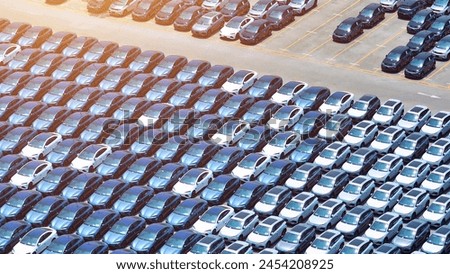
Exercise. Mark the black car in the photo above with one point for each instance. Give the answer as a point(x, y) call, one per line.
point(82, 186)
point(169, 12)
point(408, 8)
point(397, 59)
point(9, 164)
point(64, 244)
point(13, 31)
point(348, 30)
point(8, 104)
point(186, 95)
point(99, 6)
point(180, 242)
point(34, 37)
point(93, 74)
point(167, 176)
point(420, 66)
point(16, 139)
point(58, 41)
point(152, 238)
point(146, 61)
point(198, 154)
point(220, 189)
point(115, 164)
point(56, 180)
point(371, 15)
point(139, 84)
point(149, 141)
point(97, 224)
point(422, 20)
point(147, 9)
point(100, 51)
point(45, 210)
point(192, 71)
point(79, 46)
point(312, 97)
point(440, 27)
point(60, 93)
point(215, 76)
point(255, 32)
point(169, 66)
point(265, 87)
point(19, 204)
point(280, 17)
point(141, 170)
point(51, 118)
point(235, 8)
point(47, 64)
point(5, 127)
point(364, 108)
point(6, 191)
point(208, 24)
point(160, 206)
point(11, 233)
point(188, 17)
point(421, 41)
point(256, 138)
point(310, 124)
point(260, 112)
point(172, 150)
point(107, 193)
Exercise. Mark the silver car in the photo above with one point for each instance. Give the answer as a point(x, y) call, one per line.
point(385, 197)
point(239, 226)
point(438, 181)
point(384, 228)
point(267, 232)
point(438, 242)
point(333, 156)
point(413, 174)
point(438, 213)
point(357, 191)
point(412, 204)
point(388, 140)
point(437, 126)
point(361, 134)
point(414, 118)
point(438, 152)
point(299, 208)
point(327, 214)
point(386, 168)
point(389, 113)
point(329, 242)
point(358, 245)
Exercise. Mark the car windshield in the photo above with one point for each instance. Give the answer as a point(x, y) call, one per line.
point(235, 224)
point(191, 69)
point(306, 148)
point(204, 21)
point(199, 249)
point(416, 39)
point(183, 210)
point(57, 247)
point(326, 182)
point(291, 237)
point(209, 218)
point(247, 163)
point(300, 175)
point(407, 233)
point(443, 44)
point(163, 174)
point(221, 158)
point(78, 183)
point(407, 201)
point(408, 144)
point(323, 212)
point(350, 219)
point(384, 138)
point(41, 208)
point(356, 160)
point(87, 154)
point(120, 228)
point(37, 143)
point(67, 214)
point(409, 172)
point(349, 250)
point(437, 208)
point(156, 203)
point(435, 150)
point(356, 132)
point(244, 193)
point(235, 24)
point(386, 111)
point(332, 125)
point(259, 6)
point(436, 178)
point(433, 239)
point(27, 170)
point(366, 12)
point(269, 199)
point(352, 189)
point(148, 235)
point(379, 226)
point(381, 166)
point(262, 230)
point(129, 197)
point(216, 186)
point(411, 117)
point(294, 205)
point(329, 154)
point(381, 195)
point(278, 142)
point(93, 221)
point(236, 79)
point(320, 244)
point(175, 242)
point(189, 179)
point(104, 190)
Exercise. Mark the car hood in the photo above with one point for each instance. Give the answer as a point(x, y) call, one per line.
point(84, 80)
point(376, 174)
point(113, 238)
point(169, 250)
point(185, 76)
point(20, 248)
point(71, 193)
point(230, 233)
point(381, 118)
point(26, 41)
point(346, 228)
point(216, 166)
point(295, 184)
point(31, 152)
point(150, 212)
point(122, 206)
point(429, 185)
point(86, 231)
point(312, 250)
point(203, 227)
point(406, 124)
point(59, 74)
point(190, 160)
point(98, 199)
point(231, 87)
point(210, 195)
point(348, 197)
point(281, 98)
point(158, 183)
point(313, 219)
point(375, 235)
point(380, 146)
point(242, 172)
point(20, 180)
point(141, 245)
point(340, 32)
point(432, 131)
point(55, 157)
point(272, 150)
point(433, 216)
point(165, 154)
point(403, 152)
point(286, 213)
point(352, 140)
point(389, 62)
point(401, 242)
point(404, 180)
point(8, 211)
point(286, 247)
point(431, 158)
point(106, 170)
point(236, 201)
point(60, 224)
point(351, 167)
point(183, 189)
point(264, 208)
point(131, 177)
point(403, 209)
point(176, 219)
point(34, 217)
point(377, 203)
point(321, 190)
point(431, 248)
point(254, 238)
point(228, 31)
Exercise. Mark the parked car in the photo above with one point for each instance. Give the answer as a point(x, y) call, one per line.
point(412, 204)
point(123, 232)
point(255, 32)
point(208, 24)
point(371, 15)
point(355, 221)
point(357, 191)
point(348, 30)
point(281, 16)
point(327, 215)
point(385, 197)
point(389, 113)
point(267, 232)
point(420, 66)
point(384, 228)
point(364, 108)
point(438, 212)
point(408, 8)
point(421, 20)
point(386, 168)
point(329, 242)
point(438, 181)
point(412, 235)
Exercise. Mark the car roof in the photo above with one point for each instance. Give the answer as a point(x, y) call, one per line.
point(416, 163)
point(388, 216)
point(389, 186)
point(363, 151)
point(209, 239)
point(336, 145)
point(243, 214)
point(277, 190)
point(334, 173)
point(330, 203)
point(392, 129)
point(415, 192)
point(442, 142)
point(389, 158)
point(328, 234)
point(192, 202)
point(416, 223)
point(358, 241)
point(216, 210)
point(443, 230)
point(271, 220)
point(357, 210)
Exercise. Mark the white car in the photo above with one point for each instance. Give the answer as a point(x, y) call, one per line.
point(304, 177)
point(441, 49)
point(333, 156)
point(285, 118)
point(233, 27)
point(438, 181)
point(438, 152)
point(390, 5)
point(329, 242)
point(438, 213)
point(438, 125)
point(360, 161)
point(361, 134)
point(239, 225)
point(41, 145)
point(251, 166)
point(216, 5)
point(438, 242)
point(389, 113)
point(240, 81)
point(272, 201)
point(122, 7)
point(414, 118)
point(30, 174)
point(413, 146)
point(355, 221)
point(327, 215)
point(384, 228)
point(288, 92)
point(337, 102)
point(193, 181)
point(35, 241)
point(267, 232)
point(299, 208)
point(357, 191)
point(91, 157)
point(385, 197)
point(230, 133)
point(413, 174)
point(412, 204)
point(441, 6)
point(261, 9)
point(302, 6)
point(7, 52)
point(388, 139)
point(282, 144)
point(386, 168)
point(213, 219)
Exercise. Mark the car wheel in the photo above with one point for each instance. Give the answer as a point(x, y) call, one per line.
point(241, 238)
point(284, 232)
point(303, 11)
point(315, 4)
point(194, 193)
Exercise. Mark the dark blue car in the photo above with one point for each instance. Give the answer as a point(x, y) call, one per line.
point(186, 213)
point(97, 224)
point(107, 193)
point(160, 206)
point(181, 242)
point(64, 244)
point(247, 195)
point(45, 210)
point(220, 189)
point(9, 164)
point(224, 160)
point(167, 176)
point(172, 150)
point(56, 180)
point(199, 154)
point(132, 200)
point(152, 238)
point(308, 150)
point(92, 247)
point(6, 191)
point(71, 217)
point(19, 204)
point(124, 231)
point(82, 187)
point(10, 234)
point(139, 172)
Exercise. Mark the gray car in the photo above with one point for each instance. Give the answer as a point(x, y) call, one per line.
point(357, 191)
point(384, 228)
point(299, 208)
point(413, 174)
point(385, 197)
point(327, 214)
point(412, 204)
point(297, 239)
point(239, 226)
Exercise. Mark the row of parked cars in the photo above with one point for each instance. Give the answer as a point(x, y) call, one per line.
point(108, 161)
point(233, 19)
